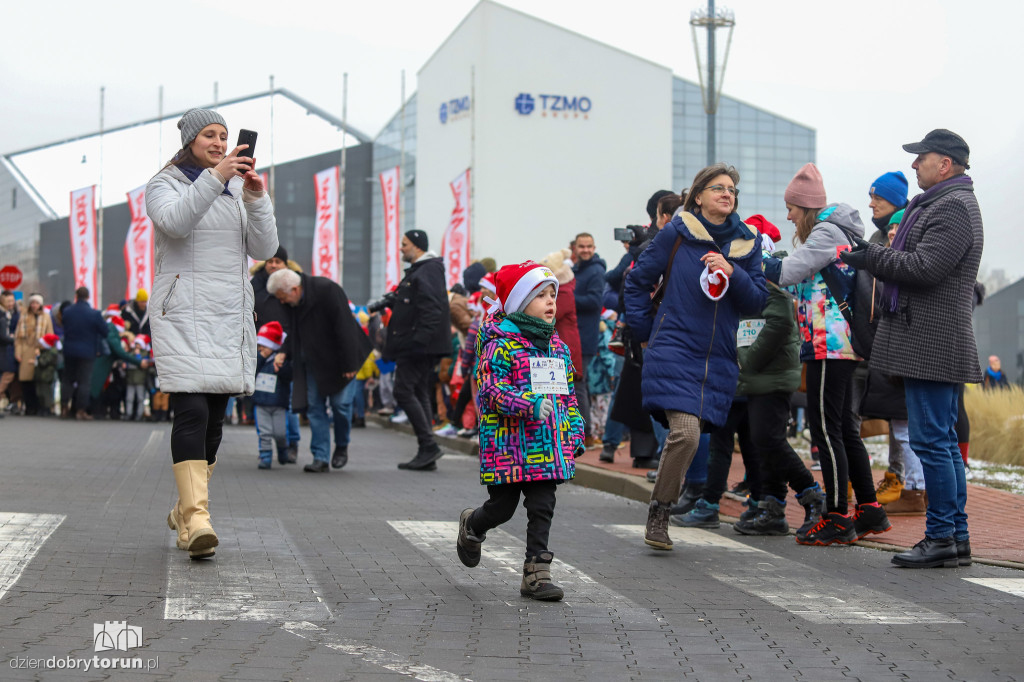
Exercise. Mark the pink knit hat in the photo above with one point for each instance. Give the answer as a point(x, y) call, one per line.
point(806, 189)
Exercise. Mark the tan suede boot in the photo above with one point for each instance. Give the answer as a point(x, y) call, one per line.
point(889, 489)
point(174, 517)
point(192, 477)
point(910, 503)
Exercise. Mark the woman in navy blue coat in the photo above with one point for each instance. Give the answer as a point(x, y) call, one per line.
point(690, 367)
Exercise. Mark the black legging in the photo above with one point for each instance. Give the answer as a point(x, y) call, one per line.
point(198, 425)
point(720, 451)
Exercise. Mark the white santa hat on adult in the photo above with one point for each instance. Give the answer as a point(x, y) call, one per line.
point(517, 285)
point(117, 322)
point(271, 335)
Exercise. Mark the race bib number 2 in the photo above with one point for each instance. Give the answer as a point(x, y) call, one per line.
point(547, 375)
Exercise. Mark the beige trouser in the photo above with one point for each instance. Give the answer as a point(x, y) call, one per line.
point(680, 446)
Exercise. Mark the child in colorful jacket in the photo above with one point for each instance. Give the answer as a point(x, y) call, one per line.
point(530, 425)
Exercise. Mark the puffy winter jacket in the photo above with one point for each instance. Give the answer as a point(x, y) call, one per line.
point(771, 364)
point(514, 446)
point(825, 333)
point(204, 335)
point(690, 361)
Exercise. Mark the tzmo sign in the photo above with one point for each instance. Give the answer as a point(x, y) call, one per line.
point(454, 109)
point(554, 104)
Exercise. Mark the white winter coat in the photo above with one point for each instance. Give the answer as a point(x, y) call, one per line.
point(201, 307)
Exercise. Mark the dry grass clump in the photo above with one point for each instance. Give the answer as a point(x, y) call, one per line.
point(997, 425)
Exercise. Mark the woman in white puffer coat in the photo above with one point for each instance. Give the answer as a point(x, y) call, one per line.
point(209, 210)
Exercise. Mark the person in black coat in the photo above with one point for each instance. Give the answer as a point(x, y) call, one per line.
point(419, 333)
point(328, 348)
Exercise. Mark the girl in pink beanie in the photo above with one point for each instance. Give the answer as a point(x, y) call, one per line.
point(822, 232)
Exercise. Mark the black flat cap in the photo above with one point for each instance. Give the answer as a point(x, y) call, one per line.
point(942, 141)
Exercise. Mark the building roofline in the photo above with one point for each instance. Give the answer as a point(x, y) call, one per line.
point(480, 4)
point(306, 104)
point(36, 197)
point(752, 106)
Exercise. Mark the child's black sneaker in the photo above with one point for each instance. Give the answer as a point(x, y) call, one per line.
point(870, 519)
point(833, 529)
point(468, 544)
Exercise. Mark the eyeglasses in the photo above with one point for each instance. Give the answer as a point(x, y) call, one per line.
point(722, 189)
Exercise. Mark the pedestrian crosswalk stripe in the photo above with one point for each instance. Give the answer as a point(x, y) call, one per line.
point(256, 575)
point(1014, 586)
point(796, 587)
point(371, 654)
point(21, 536)
point(501, 566)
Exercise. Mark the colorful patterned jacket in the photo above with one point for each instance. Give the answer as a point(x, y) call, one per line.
point(514, 446)
point(824, 332)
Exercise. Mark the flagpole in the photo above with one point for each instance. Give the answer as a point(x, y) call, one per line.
point(401, 164)
point(341, 178)
point(272, 174)
point(472, 159)
point(99, 218)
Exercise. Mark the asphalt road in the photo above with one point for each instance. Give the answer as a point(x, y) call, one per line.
point(353, 575)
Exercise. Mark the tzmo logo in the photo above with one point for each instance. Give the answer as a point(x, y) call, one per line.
point(455, 109)
point(554, 105)
point(115, 634)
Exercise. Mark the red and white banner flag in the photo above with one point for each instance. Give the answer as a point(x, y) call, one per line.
point(138, 246)
point(392, 237)
point(455, 246)
point(82, 224)
point(325, 230)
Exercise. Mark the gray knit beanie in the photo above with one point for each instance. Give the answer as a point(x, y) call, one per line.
point(194, 120)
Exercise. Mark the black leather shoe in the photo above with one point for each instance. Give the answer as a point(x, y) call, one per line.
point(340, 457)
point(358, 422)
point(963, 552)
point(425, 460)
point(930, 553)
point(645, 463)
point(317, 467)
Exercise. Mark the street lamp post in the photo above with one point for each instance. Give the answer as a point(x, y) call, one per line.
point(711, 86)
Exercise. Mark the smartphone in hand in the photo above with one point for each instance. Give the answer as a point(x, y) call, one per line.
point(247, 137)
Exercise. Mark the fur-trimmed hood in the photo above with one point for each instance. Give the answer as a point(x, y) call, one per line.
point(260, 265)
point(690, 227)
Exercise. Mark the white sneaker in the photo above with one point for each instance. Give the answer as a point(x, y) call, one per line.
point(816, 466)
point(447, 431)
point(400, 418)
point(466, 433)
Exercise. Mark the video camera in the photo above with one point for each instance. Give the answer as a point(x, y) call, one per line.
point(385, 301)
point(631, 234)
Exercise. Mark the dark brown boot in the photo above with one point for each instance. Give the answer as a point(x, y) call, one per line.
point(657, 526)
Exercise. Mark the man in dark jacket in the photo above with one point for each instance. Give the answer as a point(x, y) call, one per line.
point(136, 314)
point(269, 309)
point(84, 328)
point(589, 270)
point(328, 348)
point(8, 367)
point(926, 334)
point(419, 333)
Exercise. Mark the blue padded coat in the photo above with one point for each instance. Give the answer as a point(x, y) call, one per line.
point(690, 362)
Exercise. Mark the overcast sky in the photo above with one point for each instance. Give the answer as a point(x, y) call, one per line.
point(869, 76)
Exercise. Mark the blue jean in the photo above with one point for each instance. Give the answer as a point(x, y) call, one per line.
point(359, 398)
point(932, 411)
point(292, 423)
point(697, 474)
point(613, 430)
point(316, 412)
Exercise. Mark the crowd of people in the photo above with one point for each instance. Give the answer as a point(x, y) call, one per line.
point(706, 329)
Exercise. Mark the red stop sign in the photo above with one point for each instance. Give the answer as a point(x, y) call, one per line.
point(10, 277)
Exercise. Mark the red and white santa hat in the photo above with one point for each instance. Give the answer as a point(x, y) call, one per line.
point(487, 282)
point(51, 341)
point(517, 285)
point(117, 322)
point(607, 314)
point(714, 283)
point(769, 233)
point(142, 341)
point(271, 335)
point(112, 310)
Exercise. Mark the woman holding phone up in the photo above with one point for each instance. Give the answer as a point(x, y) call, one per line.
point(209, 211)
